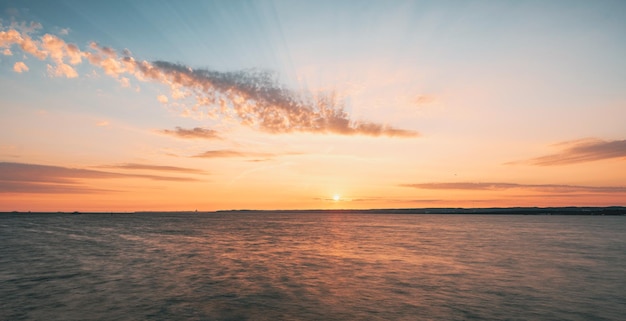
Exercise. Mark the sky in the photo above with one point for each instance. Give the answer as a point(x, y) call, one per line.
point(185, 105)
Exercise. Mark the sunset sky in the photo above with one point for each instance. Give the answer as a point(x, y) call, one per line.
point(184, 105)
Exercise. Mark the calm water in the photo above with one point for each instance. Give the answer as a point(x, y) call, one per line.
point(312, 267)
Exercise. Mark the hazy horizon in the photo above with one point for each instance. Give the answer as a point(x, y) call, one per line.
point(561, 210)
point(161, 106)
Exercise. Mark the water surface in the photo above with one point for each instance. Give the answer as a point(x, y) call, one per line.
point(312, 267)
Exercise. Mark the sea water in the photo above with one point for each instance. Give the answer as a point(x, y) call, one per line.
point(330, 266)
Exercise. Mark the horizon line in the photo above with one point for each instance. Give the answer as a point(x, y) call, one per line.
point(621, 209)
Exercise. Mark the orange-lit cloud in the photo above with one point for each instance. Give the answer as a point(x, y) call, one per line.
point(62, 70)
point(580, 151)
point(253, 98)
point(197, 132)
point(59, 51)
point(23, 40)
point(547, 188)
point(20, 67)
point(35, 178)
point(162, 99)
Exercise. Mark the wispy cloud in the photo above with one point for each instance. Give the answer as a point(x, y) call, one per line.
point(258, 100)
point(197, 132)
point(546, 188)
point(226, 153)
point(31, 178)
point(424, 100)
point(253, 98)
point(49, 188)
point(159, 168)
point(35, 178)
point(580, 151)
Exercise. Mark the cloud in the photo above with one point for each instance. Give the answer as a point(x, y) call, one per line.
point(422, 100)
point(59, 51)
point(257, 100)
point(62, 70)
point(23, 40)
point(47, 47)
point(35, 178)
point(20, 67)
point(47, 188)
point(251, 97)
point(197, 132)
point(162, 99)
point(581, 151)
point(125, 82)
point(7, 52)
point(547, 188)
point(159, 168)
point(31, 178)
point(223, 153)
point(103, 123)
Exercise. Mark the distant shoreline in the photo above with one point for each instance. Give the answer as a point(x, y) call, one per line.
point(608, 210)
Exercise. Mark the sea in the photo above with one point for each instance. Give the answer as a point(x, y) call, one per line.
point(316, 266)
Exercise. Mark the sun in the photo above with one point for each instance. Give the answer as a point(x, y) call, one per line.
point(336, 197)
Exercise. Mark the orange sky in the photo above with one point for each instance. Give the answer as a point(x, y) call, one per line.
point(410, 104)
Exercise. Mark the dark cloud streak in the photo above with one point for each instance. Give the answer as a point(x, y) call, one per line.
point(194, 133)
point(581, 151)
point(227, 153)
point(584, 151)
point(160, 168)
point(48, 188)
point(35, 178)
point(548, 188)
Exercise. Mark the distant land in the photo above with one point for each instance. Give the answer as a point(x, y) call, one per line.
point(609, 210)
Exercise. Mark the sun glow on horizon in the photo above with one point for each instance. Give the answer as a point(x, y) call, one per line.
point(336, 197)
